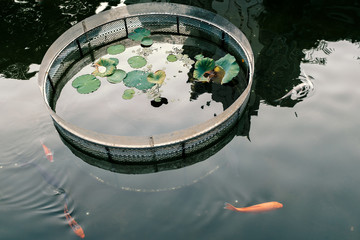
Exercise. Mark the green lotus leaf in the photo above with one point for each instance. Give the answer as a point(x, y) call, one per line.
point(199, 57)
point(158, 77)
point(137, 62)
point(128, 94)
point(146, 42)
point(117, 76)
point(229, 65)
point(137, 79)
point(85, 84)
point(202, 66)
point(172, 58)
point(115, 49)
point(138, 34)
point(115, 60)
point(104, 67)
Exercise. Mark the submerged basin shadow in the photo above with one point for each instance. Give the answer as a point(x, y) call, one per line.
point(241, 128)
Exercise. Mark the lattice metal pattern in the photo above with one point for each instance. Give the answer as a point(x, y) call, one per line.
point(97, 34)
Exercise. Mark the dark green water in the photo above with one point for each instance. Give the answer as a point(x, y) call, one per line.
point(303, 153)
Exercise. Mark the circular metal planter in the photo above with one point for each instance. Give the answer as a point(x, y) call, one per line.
point(81, 41)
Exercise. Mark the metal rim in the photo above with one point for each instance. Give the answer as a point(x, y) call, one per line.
point(110, 142)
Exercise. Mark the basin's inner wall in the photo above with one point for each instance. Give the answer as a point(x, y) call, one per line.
point(84, 46)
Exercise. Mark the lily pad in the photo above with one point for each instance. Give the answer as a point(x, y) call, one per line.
point(109, 67)
point(115, 49)
point(172, 58)
point(137, 79)
point(199, 57)
point(85, 84)
point(117, 76)
point(229, 65)
point(158, 77)
point(202, 66)
point(115, 60)
point(128, 94)
point(138, 34)
point(146, 42)
point(137, 62)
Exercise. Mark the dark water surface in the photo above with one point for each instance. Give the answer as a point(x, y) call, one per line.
point(303, 153)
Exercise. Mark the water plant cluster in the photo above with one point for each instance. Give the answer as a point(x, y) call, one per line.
point(206, 69)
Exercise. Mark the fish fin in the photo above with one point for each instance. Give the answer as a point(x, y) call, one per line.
point(229, 207)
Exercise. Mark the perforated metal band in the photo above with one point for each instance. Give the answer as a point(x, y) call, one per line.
point(82, 39)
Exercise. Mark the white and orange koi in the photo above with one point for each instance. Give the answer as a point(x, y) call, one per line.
point(262, 207)
point(48, 153)
point(73, 224)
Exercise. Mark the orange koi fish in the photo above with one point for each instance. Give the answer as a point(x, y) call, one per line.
point(73, 224)
point(48, 153)
point(262, 207)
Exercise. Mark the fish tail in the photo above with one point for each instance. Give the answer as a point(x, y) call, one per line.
point(66, 210)
point(230, 207)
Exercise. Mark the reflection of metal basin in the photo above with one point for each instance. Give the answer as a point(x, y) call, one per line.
point(158, 166)
point(84, 38)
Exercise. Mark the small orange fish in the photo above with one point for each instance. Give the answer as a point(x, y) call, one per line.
point(262, 207)
point(48, 153)
point(73, 224)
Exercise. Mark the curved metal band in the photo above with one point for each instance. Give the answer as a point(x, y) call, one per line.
point(144, 148)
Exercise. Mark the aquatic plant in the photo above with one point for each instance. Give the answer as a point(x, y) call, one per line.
point(199, 57)
point(117, 76)
point(104, 67)
point(137, 62)
point(115, 49)
point(85, 84)
point(230, 67)
point(146, 42)
point(201, 67)
point(158, 77)
point(138, 34)
point(171, 58)
point(137, 79)
point(128, 94)
point(221, 71)
point(115, 60)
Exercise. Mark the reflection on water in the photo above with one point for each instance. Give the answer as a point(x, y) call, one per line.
point(302, 154)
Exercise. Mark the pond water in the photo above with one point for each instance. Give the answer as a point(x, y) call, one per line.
point(300, 152)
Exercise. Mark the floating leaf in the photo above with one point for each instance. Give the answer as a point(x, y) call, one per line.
point(117, 76)
point(108, 64)
point(139, 33)
point(138, 79)
point(229, 65)
point(199, 57)
point(137, 62)
point(146, 42)
point(128, 94)
point(86, 84)
point(202, 66)
point(172, 58)
point(158, 77)
point(115, 60)
point(115, 49)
